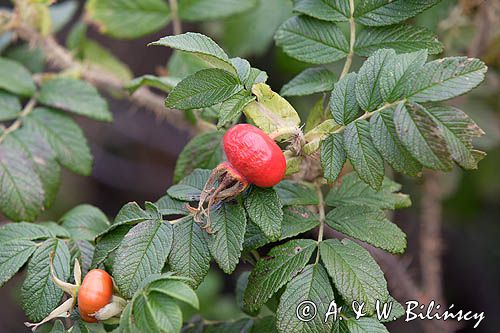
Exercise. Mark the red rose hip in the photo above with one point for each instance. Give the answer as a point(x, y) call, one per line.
point(254, 155)
point(94, 293)
point(253, 158)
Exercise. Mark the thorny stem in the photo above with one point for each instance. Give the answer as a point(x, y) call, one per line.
point(352, 40)
point(321, 211)
point(16, 124)
point(174, 8)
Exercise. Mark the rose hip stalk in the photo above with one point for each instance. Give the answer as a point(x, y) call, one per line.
point(253, 158)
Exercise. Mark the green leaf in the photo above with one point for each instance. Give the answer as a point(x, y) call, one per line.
point(62, 13)
point(458, 131)
point(264, 19)
point(84, 251)
point(132, 214)
point(16, 78)
point(271, 111)
point(422, 137)
point(30, 57)
point(293, 193)
point(128, 18)
point(317, 115)
point(352, 191)
point(55, 229)
point(385, 139)
point(203, 151)
point(23, 231)
point(168, 206)
point(58, 327)
point(343, 102)
point(356, 276)
point(368, 225)
point(202, 89)
point(310, 81)
point(226, 242)
point(328, 10)
point(312, 285)
point(43, 159)
point(126, 323)
point(281, 265)
point(446, 78)
point(368, 79)
point(13, 255)
point(264, 208)
point(85, 222)
point(241, 285)
point(21, 191)
point(107, 244)
point(102, 58)
point(75, 96)
point(205, 10)
point(142, 252)
point(190, 256)
point(401, 38)
point(296, 220)
point(182, 64)
point(361, 325)
point(231, 109)
point(65, 138)
point(397, 76)
point(201, 46)
point(362, 153)
point(189, 189)
point(333, 156)
point(155, 312)
point(311, 40)
point(39, 293)
point(383, 12)
point(242, 66)
point(256, 76)
point(175, 289)
point(9, 106)
point(165, 83)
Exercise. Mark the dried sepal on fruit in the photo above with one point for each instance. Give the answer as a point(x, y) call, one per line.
point(63, 310)
point(95, 298)
point(253, 158)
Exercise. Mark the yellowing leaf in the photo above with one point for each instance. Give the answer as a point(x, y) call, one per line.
point(271, 112)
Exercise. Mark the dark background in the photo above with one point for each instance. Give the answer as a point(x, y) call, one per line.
point(135, 156)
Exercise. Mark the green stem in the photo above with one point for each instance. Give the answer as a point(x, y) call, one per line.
point(176, 21)
point(352, 40)
point(16, 124)
point(367, 115)
point(321, 211)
